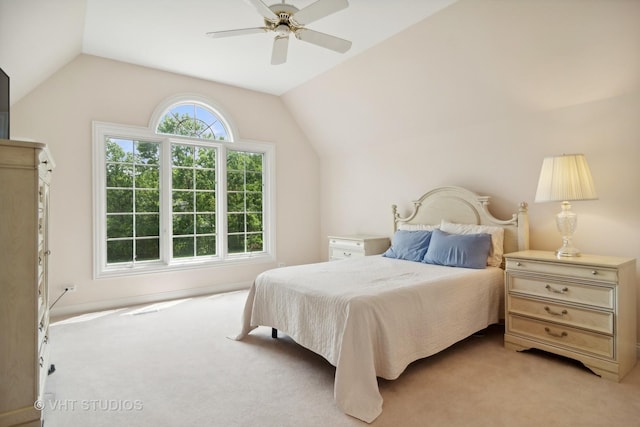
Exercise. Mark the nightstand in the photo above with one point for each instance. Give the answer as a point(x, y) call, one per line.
point(341, 247)
point(581, 307)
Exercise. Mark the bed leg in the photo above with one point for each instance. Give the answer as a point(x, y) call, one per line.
point(274, 333)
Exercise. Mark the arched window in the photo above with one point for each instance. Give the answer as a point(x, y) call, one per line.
point(181, 193)
point(193, 120)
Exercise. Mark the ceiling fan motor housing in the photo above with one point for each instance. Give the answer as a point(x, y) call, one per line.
point(284, 25)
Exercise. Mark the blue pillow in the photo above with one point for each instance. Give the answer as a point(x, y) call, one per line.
point(458, 250)
point(409, 245)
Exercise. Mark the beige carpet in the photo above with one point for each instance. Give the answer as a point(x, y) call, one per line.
point(174, 366)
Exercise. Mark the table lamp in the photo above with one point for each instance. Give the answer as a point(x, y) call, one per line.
point(563, 179)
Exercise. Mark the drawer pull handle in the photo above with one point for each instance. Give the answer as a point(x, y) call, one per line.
point(41, 361)
point(553, 334)
point(561, 291)
point(594, 272)
point(518, 264)
point(555, 313)
point(346, 253)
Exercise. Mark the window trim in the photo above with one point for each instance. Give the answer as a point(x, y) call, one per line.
point(101, 130)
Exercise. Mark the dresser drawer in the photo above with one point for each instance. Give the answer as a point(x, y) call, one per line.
point(598, 321)
point(356, 245)
point(342, 253)
point(558, 269)
point(563, 336)
point(597, 296)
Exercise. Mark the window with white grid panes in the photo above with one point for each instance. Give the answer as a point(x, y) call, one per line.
point(193, 195)
point(181, 194)
point(244, 202)
point(132, 200)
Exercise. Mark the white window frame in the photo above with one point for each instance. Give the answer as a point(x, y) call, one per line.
point(102, 130)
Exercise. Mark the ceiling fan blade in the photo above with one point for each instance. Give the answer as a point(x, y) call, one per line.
point(317, 10)
point(264, 10)
point(323, 40)
point(240, 32)
point(280, 47)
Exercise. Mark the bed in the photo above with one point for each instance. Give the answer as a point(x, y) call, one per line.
point(372, 316)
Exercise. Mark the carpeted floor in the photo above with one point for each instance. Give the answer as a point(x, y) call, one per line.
point(172, 365)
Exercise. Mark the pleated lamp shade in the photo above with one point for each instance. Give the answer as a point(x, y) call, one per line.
point(565, 178)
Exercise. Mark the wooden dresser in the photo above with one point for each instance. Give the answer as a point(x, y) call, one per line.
point(341, 247)
point(25, 171)
point(582, 307)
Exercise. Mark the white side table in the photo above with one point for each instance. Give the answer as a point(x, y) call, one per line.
point(341, 247)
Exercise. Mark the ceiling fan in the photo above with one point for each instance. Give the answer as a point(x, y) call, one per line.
point(285, 19)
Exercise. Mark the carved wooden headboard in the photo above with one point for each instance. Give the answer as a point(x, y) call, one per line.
point(455, 204)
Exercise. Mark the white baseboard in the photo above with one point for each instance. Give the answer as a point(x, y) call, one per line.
point(76, 309)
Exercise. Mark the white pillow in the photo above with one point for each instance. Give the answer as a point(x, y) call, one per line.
point(416, 227)
point(497, 238)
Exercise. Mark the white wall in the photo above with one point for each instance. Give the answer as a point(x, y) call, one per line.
point(476, 96)
point(60, 111)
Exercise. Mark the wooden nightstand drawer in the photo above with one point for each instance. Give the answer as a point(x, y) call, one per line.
point(342, 253)
point(598, 321)
point(351, 244)
point(597, 296)
point(564, 336)
point(575, 272)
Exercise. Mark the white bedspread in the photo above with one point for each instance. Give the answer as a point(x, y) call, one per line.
point(373, 316)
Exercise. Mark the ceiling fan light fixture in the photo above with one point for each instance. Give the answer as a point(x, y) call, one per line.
point(283, 30)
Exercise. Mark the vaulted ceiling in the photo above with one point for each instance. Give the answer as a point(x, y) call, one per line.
point(38, 37)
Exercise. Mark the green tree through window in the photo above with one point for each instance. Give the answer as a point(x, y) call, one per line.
point(133, 194)
point(244, 202)
point(193, 200)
